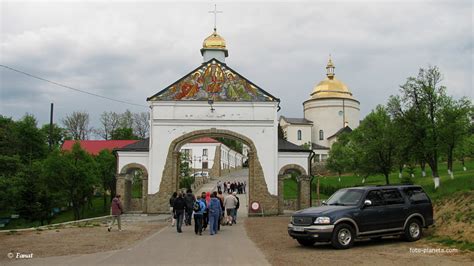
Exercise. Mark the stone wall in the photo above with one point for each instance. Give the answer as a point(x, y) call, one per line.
point(216, 167)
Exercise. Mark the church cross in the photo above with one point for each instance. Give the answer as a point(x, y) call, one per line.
point(215, 11)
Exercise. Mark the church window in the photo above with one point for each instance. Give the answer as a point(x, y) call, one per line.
point(204, 152)
point(321, 135)
point(299, 134)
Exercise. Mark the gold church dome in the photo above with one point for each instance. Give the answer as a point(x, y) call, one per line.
point(214, 41)
point(331, 87)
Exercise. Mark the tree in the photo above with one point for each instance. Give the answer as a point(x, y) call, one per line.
point(375, 142)
point(126, 119)
point(31, 142)
point(141, 124)
point(420, 108)
point(340, 156)
point(106, 168)
point(58, 136)
point(110, 122)
point(72, 174)
point(454, 127)
point(77, 125)
point(123, 133)
point(8, 138)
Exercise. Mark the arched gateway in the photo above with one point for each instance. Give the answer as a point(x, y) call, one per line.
point(213, 100)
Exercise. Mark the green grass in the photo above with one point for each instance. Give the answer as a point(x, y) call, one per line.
point(463, 181)
point(66, 216)
point(459, 244)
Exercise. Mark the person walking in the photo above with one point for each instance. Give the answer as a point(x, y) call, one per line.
point(234, 217)
point(230, 202)
point(220, 196)
point(199, 209)
point(189, 198)
point(214, 214)
point(205, 216)
point(117, 211)
point(179, 207)
point(173, 197)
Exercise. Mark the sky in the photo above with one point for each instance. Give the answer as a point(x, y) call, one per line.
point(131, 50)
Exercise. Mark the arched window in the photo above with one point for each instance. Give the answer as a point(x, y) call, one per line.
point(321, 135)
point(299, 134)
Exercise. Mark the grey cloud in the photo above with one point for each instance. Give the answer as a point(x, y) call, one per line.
point(130, 51)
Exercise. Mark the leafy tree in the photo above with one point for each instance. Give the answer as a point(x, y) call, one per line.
point(74, 175)
point(420, 107)
point(106, 168)
point(454, 128)
point(123, 133)
point(31, 141)
point(340, 156)
point(8, 136)
point(33, 198)
point(77, 125)
point(375, 141)
point(231, 143)
point(58, 135)
point(126, 119)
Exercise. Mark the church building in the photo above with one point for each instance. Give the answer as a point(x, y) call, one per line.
point(215, 101)
point(330, 111)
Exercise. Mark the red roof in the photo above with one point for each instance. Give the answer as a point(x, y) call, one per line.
point(95, 146)
point(204, 140)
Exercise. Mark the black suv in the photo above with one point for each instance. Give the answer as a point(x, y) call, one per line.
point(364, 212)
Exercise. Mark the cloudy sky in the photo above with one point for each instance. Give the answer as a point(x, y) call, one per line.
point(131, 50)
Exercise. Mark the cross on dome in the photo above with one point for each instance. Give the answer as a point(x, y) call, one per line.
point(215, 11)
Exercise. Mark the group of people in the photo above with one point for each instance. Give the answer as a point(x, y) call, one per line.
point(208, 209)
point(230, 187)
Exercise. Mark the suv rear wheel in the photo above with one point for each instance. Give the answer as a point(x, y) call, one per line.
point(413, 230)
point(343, 236)
point(306, 242)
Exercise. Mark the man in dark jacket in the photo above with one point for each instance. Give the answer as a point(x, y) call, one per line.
point(189, 199)
point(179, 206)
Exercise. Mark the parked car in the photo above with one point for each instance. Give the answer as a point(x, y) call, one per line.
point(205, 174)
point(364, 212)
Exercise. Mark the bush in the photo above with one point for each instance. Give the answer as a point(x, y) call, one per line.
point(186, 182)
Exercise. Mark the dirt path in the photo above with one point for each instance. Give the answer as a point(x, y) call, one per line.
point(270, 235)
point(74, 240)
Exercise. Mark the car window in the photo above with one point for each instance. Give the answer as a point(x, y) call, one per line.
point(416, 195)
point(376, 197)
point(392, 196)
point(345, 197)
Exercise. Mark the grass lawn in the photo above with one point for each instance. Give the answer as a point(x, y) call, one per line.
point(65, 216)
point(463, 181)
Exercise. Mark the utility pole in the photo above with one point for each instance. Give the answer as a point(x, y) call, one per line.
point(51, 128)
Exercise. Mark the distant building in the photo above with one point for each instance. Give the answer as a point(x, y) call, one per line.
point(202, 153)
point(330, 111)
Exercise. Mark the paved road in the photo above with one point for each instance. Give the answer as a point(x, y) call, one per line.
point(230, 246)
point(238, 176)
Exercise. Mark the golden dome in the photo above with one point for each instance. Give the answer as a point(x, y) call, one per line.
point(331, 87)
point(214, 41)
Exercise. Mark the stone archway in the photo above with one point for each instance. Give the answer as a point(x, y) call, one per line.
point(303, 199)
point(124, 188)
point(257, 186)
